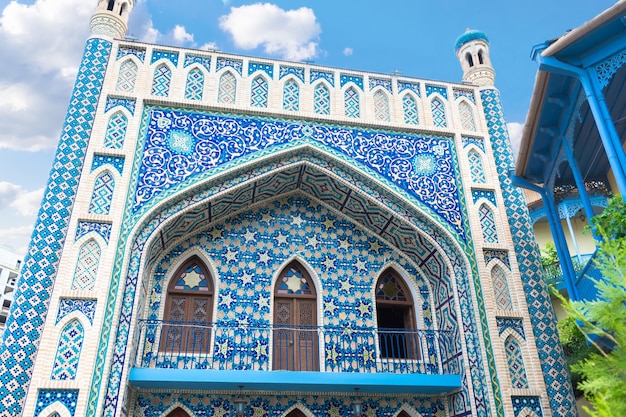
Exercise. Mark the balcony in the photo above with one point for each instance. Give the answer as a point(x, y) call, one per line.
point(223, 356)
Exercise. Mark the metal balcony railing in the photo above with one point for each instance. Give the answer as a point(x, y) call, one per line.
point(266, 347)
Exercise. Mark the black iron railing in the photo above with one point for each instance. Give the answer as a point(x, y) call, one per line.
point(232, 346)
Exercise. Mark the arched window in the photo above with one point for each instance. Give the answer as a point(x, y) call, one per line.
point(116, 131)
point(515, 361)
point(296, 413)
point(476, 167)
point(467, 116)
point(111, 5)
point(195, 84)
point(178, 412)
point(227, 88)
point(409, 105)
point(102, 194)
point(86, 266)
point(501, 288)
point(488, 224)
point(321, 99)
point(188, 310)
point(439, 113)
point(161, 81)
point(295, 321)
point(480, 57)
point(291, 96)
point(68, 351)
point(381, 106)
point(259, 92)
point(127, 76)
point(469, 59)
point(395, 316)
point(351, 103)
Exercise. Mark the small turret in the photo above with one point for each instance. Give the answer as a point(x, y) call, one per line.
point(472, 49)
point(110, 20)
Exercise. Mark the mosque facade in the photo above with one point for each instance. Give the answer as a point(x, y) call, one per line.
point(225, 235)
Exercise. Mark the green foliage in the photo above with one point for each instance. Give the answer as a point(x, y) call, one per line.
point(604, 371)
point(575, 348)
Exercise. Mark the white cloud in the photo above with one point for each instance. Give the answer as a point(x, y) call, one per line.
point(515, 134)
point(347, 51)
point(26, 203)
point(15, 237)
point(180, 35)
point(290, 34)
point(209, 46)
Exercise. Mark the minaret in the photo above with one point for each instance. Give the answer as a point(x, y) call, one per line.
point(472, 49)
point(110, 20)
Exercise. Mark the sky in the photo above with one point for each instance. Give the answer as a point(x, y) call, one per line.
point(41, 43)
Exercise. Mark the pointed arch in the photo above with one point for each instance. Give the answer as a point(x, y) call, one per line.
point(438, 109)
point(296, 412)
point(161, 80)
point(68, 351)
point(194, 87)
point(259, 92)
point(477, 169)
point(409, 107)
point(291, 96)
point(499, 279)
point(352, 104)
point(467, 116)
point(178, 412)
point(488, 224)
point(381, 106)
point(188, 309)
point(295, 340)
point(395, 317)
point(481, 60)
point(86, 266)
point(102, 195)
point(469, 59)
point(116, 131)
point(321, 99)
point(515, 362)
point(127, 76)
point(227, 88)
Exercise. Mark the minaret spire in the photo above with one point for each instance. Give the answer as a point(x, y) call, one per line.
point(472, 49)
point(110, 20)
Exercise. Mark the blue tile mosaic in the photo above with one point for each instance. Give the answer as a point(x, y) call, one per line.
point(170, 56)
point(501, 255)
point(505, 323)
point(203, 61)
point(139, 52)
point(458, 93)
point(268, 69)
point(82, 305)
point(236, 64)
point(383, 82)
point(521, 404)
point(25, 323)
point(478, 142)
point(432, 89)
point(297, 72)
point(488, 195)
point(67, 397)
point(116, 162)
point(405, 85)
point(347, 78)
point(323, 75)
point(127, 103)
point(85, 227)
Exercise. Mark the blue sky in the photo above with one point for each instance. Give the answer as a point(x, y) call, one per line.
point(41, 43)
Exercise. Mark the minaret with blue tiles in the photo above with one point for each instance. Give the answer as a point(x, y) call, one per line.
point(19, 394)
point(472, 49)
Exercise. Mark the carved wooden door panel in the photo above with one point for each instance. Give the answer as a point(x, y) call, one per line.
point(295, 335)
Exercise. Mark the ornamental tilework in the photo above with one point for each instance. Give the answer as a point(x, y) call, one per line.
point(477, 169)
point(432, 89)
point(488, 195)
point(167, 55)
point(127, 76)
point(405, 85)
point(235, 64)
point(429, 157)
point(323, 75)
point(127, 103)
point(438, 110)
point(68, 352)
point(268, 69)
point(458, 93)
point(295, 71)
point(347, 78)
point(351, 103)
point(381, 106)
point(116, 131)
point(161, 81)
point(291, 96)
point(259, 92)
point(86, 266)
point(500, 282)
point(321, 99)
point(488, 224)
point(46, 397)
point(85, 227)
point(527, 403)
point(383, 82)
point(204, 61)
point(226, 94)
point(502, 255)
point(25, 323)
point(409, 107)
point(70, 305)
point(555, 374)
point(515, 361)
point(102, 195)
point(116, 162)
point(467, 116)
point(505, 323)
point(478, 142)
point(194, 87)
point(123, 51)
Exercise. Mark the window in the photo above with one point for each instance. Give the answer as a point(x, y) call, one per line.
point(469, 59)
point(188, 310)
point(295, 321)
point(397, 337)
